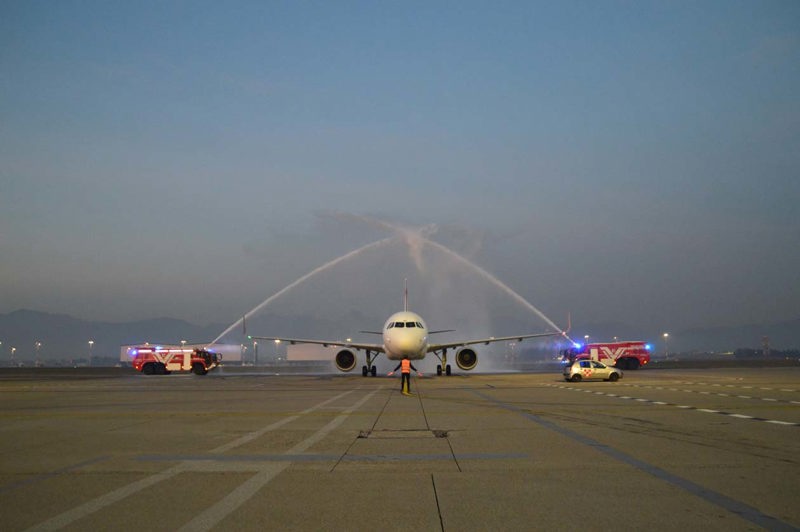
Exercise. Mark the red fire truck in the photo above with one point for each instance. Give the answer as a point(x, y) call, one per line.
point(157, 360)
point(623, 355)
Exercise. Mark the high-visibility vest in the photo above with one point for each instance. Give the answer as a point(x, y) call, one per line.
point(405, 365)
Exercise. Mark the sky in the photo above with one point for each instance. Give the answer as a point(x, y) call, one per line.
point(633, 162)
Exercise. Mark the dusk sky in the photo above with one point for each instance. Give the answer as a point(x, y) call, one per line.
point(628, 161)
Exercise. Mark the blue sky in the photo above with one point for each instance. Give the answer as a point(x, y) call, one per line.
point(626, 161)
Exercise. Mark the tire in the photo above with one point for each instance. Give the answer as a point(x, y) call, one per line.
point(447, 370)
point(633, 363)
point(199, 369)
point(576, 378)
point(439, 370)
point(148, 369)
point(373, 371)
point(614, 377)
point(363, 371)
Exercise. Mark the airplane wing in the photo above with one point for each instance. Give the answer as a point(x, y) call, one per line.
point(437, 347)
point(376, 348)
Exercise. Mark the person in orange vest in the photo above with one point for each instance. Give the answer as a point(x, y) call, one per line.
point(405, 366)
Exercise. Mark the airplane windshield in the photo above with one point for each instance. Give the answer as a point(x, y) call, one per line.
point(410, 324)
point(390, 325)
point(399, 324)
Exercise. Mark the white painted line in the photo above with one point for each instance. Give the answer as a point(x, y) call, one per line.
point(744, 397)
point(659, 403)
point(644, 400)
point(769, 399)
point(708, 410)
point(683, 406)
point(209, 518)
point(741, 416)
point(776, 422)
point(70, 516)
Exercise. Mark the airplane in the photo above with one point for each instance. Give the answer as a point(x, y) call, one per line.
point(405, 335)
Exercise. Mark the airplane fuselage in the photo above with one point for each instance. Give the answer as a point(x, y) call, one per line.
point(405, 335)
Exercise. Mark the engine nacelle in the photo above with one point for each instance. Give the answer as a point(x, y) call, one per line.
point(345, 360)
point(466, 359)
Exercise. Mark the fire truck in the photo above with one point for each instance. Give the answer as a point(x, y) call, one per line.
point(157, 360)
point(623, 355)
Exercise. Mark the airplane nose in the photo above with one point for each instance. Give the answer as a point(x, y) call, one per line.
point(407, 344)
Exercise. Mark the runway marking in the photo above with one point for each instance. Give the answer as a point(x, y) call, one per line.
point(741, 509)
point(211, 516)
point(684, 407)
point(329, 457)
point(719, 394)
point(45, 476)
point(693, 383)
point(70, 516)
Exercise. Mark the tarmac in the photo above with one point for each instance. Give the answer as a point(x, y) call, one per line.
point(712, 449)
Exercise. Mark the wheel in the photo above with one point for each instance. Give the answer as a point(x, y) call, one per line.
point(633, 363)
point(161, 369)
point(576, 378)
point(614, 377)
point(447, 370)
point(373, 371)
point(199, 369)
point(148, 369)
point(439, 370)
point(363, 371)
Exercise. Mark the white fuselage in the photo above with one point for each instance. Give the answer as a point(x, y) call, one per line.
point(405, 335)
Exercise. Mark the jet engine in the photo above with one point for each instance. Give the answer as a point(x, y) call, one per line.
point(466, 359)
point(345, 360)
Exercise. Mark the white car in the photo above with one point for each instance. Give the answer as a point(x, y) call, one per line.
point(591, 370)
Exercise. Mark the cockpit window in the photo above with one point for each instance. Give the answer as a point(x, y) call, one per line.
point(399, 324)
point(410, 324)
point(419, 325)
point(390, 325)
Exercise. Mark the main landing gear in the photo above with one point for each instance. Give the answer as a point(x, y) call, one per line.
point(369, 368)
point(444, 364)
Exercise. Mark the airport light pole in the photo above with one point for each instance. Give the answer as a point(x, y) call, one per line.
point(91, 344)
point(666, 350)
point(38, 345)
point(255, 352)
point(277, 343)
point(13, 350)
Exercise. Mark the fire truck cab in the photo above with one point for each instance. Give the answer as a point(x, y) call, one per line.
point(157, 360)
point(623, 355)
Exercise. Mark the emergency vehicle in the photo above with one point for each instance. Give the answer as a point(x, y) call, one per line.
point(623, 355)
point(157, 360)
